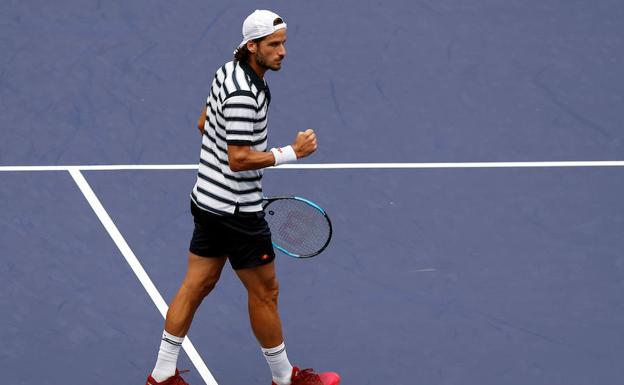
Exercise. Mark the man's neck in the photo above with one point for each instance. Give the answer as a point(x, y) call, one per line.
point(259, 70)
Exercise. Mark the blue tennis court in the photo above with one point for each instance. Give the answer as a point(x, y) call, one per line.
point(470, 157)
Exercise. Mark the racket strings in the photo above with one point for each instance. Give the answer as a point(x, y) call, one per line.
point(298, 227)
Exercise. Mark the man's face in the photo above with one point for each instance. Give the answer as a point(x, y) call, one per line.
point(271, 50)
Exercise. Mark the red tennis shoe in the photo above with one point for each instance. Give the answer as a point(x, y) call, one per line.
point(175, 380)
point(308, 377)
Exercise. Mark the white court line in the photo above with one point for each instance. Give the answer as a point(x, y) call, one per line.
point(302, 166)
point(134, 263)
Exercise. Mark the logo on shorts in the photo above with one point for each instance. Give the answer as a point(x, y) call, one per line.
point(265, 257)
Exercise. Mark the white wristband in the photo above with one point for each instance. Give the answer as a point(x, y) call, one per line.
point(284, 155)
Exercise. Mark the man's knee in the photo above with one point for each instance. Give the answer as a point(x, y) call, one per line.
point(200, 288)
point(267, 291)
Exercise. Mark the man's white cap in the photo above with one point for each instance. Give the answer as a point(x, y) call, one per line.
point(260, 24)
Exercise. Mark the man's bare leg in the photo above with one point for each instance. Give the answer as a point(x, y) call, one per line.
point(202, 274)
point(201, 277)
point(263, 291)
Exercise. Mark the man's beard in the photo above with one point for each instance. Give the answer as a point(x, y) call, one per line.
point(261, 61)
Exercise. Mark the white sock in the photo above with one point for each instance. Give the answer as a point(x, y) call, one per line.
point(281, 369)
point(167, 357)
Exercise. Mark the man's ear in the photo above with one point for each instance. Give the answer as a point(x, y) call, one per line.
point(252, 46)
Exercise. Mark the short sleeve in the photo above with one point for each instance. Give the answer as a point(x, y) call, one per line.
point(240, 112)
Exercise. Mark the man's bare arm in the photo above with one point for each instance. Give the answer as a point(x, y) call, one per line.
point(243, 158)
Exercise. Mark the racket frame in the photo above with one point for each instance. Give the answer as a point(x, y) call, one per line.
point(266, 202)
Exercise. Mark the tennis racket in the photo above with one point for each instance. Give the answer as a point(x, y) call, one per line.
point(300, 228)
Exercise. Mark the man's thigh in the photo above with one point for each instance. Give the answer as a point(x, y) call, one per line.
point(204, 269)
point(259, 279)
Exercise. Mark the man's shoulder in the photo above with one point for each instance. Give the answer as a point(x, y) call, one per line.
point(225, 70)
point(237, 83)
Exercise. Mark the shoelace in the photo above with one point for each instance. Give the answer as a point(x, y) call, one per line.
point(177, 380)
point(307, 377)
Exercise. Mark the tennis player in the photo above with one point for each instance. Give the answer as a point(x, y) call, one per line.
point(226, 203)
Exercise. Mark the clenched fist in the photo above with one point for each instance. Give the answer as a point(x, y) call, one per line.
point(305, 143)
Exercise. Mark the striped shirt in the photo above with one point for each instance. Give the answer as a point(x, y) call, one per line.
point(236, 113)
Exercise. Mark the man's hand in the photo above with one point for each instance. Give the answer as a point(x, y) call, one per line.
point(201, 121)
point(305, 143)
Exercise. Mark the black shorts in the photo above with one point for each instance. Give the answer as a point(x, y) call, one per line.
point(245, 238)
